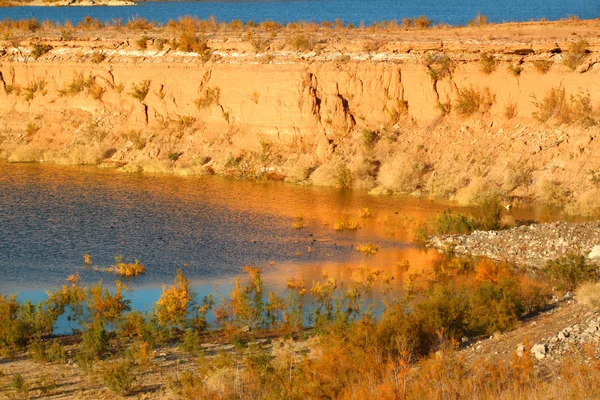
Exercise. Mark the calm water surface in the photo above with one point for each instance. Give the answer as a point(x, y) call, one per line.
point(209, 226)
point(455, 12)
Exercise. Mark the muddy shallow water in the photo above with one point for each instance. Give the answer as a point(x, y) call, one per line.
point(210, 226)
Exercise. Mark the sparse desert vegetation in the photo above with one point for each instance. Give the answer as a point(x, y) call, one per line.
point(417, 334)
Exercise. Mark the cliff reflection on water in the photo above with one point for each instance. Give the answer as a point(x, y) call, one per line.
point(210, 226)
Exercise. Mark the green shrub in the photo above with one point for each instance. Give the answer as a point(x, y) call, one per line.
point(488, 63)
point(471, 100)
point(494, 307)
point(369, 137)
point(94, 340)
point(19, 385)
point(142, 42)
point(35, 86)
point(192, 342)
point(39, 49)
point(118, 376)
point(439, 66)
point(56, 352)
point(344, 177)
point(491, 214)
point(37, 350)
point(444, 309)
point(174, 156)
point(570, 270)
point(449, 222)
point(141, 90)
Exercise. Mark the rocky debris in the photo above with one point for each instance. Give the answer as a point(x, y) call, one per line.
point(539, 351)
point(527, 245)
point(574, 337)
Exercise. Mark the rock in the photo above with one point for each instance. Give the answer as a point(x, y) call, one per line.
point(539, 351)
point(562, 335)
point(595, 253)
point(520, 350)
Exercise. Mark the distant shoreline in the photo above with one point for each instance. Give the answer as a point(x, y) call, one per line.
point(71, 3)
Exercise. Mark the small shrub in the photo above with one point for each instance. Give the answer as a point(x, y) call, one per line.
point(488, 63)
point(471, 100)
point(46, 384)
point(35, 86)
point(39, 49)
point(37, 350)
point(31, 128)
point(510, 110)
point(159, 44)
point(449, 223)
point(571, 270)
point(491, 214)
point(98, 57)
point(19, 385)
point(77, 85)
point(365, 212)
point(139, 142)
point(302, 42)
point(553, 105)
point(542, 66)
point(401, 174)
point(480, 20)
point(56, 352)
point(94, 342)
point(594, 175)
point(96, 91)
point(439, 66)
point(369, 249)
point(515, 69)
point(209, 96)
point(192, 342)
point(552, 193)
point(174, 156)
point(67, 34)
point(298, 222)
point(118, 376)
point(172, 307)
point(577, 53)
point(369, 137)
point(128, 269)
point(346, 222)
point(140, 91)
point(142, 42)
point(343, 177)
point(421, 22)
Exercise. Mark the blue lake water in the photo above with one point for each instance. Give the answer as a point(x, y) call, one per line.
point(454, 12)
point(209, 226)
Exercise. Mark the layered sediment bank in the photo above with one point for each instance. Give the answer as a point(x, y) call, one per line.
point(457, 113)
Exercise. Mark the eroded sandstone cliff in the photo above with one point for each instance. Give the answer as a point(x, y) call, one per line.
point(420, 113)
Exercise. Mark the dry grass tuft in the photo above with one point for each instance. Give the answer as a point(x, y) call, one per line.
point(588, 294)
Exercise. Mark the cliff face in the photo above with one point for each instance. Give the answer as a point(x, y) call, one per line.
point(105, 102)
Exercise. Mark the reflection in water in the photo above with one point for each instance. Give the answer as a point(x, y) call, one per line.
point(212, 226)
